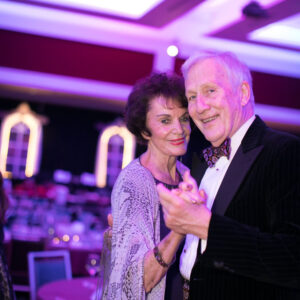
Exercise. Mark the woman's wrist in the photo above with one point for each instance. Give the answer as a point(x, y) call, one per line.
point(159, 258)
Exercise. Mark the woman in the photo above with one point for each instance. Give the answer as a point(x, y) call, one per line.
point(6, 291)
point(142, 247)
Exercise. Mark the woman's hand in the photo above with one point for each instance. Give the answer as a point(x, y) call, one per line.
point(188, 190)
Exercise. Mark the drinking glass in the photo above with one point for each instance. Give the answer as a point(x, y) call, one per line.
point(93, 264)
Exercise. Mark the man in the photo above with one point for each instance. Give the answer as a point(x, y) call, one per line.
point(243, 243)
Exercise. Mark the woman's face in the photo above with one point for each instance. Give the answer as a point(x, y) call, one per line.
point(169, 125)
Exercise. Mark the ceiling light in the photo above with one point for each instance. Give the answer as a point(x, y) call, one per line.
point(134, 9)
point(284, 32)
point(172, 50)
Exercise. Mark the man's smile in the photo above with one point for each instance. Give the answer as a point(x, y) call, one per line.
point(207, 120)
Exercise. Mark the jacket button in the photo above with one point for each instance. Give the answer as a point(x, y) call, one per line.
point(218, 264)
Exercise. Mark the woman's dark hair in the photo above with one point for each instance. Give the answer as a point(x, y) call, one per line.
point(3, 201)
point(158, 84)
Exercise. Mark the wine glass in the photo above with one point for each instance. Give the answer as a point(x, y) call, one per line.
point(93, 264)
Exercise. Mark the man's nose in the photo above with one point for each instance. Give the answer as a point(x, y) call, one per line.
point(201, 104)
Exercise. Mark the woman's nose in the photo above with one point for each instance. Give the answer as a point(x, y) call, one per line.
point(178, 127)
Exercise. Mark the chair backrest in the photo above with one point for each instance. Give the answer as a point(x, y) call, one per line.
point(47, 266)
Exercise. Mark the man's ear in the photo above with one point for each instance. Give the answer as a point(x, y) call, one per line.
point(245, 93)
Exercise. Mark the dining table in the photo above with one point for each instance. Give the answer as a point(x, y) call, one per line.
point(82, 288)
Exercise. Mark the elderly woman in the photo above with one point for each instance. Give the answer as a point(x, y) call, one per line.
point(142, 247)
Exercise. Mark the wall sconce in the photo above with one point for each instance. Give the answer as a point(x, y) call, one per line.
point(22, 115)
point(102, 151)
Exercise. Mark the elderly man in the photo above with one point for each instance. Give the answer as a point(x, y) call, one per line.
point(243, 237)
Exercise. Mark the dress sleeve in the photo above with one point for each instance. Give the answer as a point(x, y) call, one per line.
point(134, 233)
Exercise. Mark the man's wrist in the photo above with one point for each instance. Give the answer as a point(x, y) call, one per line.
point(201, 227)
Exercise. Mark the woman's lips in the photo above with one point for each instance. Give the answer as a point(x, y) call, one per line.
point(177, 141)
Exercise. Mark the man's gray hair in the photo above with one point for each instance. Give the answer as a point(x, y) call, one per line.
point(237, 71)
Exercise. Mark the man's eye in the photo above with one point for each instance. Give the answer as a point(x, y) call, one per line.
point(165, 121)
point(211, 91)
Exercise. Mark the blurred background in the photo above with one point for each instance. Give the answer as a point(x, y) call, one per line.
point(66, 69)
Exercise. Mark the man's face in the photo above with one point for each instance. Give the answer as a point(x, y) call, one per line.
point(215, 105)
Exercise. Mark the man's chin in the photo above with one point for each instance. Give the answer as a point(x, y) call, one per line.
point(213, 139)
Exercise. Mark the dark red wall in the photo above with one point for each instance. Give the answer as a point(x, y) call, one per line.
point(51, 55)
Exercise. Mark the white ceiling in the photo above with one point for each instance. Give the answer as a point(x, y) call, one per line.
point(194, 29)
point(285, 32)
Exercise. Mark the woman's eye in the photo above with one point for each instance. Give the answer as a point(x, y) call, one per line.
point(165, 121)
point(210, 91)
point(191, 97)
point(185, 119)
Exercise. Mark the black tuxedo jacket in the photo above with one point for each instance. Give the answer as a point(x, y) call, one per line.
point(254, 234)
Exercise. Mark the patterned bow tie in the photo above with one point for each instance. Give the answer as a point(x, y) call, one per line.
point(212, 154)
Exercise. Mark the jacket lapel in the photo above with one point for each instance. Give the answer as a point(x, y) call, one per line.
point(244, 158)
point(235, 175)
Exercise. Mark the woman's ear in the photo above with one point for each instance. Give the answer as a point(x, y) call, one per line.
point(145, 134)
point(245, 93)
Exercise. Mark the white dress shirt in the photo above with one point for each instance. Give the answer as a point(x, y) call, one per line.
point(210, 183)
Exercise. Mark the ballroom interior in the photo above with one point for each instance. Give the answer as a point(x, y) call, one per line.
point(66, 70)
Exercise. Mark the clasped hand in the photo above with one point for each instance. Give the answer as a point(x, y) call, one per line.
point(185, 208)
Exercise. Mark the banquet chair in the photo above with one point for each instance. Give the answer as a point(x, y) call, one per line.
point(47, 266)
point(19, 262)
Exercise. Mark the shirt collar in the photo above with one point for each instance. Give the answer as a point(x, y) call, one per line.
point(237, 138)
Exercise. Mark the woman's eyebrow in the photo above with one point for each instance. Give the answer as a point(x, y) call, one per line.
point(163, 115)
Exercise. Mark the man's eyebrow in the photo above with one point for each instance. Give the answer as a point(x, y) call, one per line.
point(190, 91)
